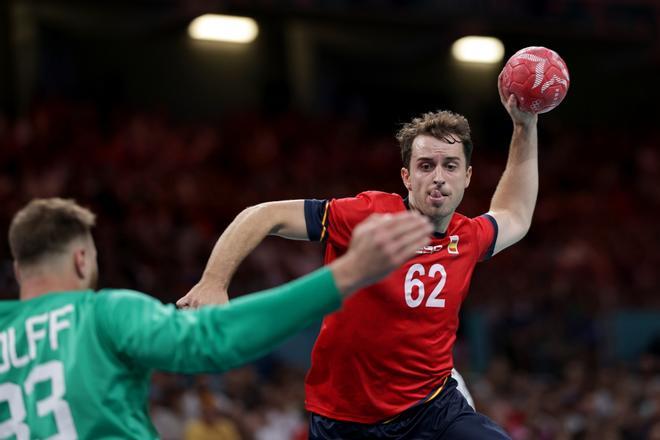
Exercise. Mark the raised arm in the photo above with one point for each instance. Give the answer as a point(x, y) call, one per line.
point(285, 219)
point(147, 334)
point(513, 203)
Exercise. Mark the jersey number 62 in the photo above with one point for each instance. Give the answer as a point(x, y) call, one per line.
point(414, 287)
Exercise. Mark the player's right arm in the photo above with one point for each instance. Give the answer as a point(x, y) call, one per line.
point(146, 334)
point(283, 218)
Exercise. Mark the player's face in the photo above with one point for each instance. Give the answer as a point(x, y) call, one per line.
point(437, 177)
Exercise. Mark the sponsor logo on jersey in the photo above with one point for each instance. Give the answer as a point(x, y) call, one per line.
point(452, 248)
point(429, 249)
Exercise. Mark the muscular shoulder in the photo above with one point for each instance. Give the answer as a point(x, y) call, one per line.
point(460, 221)
point(482, 231)
point(122, 301)
point(378, 201)
point(467, 226)
point(345, 213)
point(119, 295)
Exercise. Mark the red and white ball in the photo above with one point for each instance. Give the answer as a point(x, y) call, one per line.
point(537, 76)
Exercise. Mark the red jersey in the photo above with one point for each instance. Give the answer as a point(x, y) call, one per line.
point(390, 346)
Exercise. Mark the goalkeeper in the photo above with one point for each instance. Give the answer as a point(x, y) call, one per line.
point(75, 363)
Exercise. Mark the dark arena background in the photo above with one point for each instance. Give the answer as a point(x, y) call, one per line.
point(168, 138)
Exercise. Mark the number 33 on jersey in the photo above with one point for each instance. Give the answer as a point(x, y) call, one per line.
point(42, 389)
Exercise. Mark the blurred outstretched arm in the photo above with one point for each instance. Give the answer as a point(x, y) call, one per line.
point(149, 334)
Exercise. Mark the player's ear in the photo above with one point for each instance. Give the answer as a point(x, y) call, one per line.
point(405, 176)
point(80, 262)
point(468, 176)
point(17, 272)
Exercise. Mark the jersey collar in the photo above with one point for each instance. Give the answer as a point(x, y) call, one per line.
point(435, 234)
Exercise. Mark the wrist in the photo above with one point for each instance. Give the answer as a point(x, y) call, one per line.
point(215, 279)
point(525, 125)
point(343, 272)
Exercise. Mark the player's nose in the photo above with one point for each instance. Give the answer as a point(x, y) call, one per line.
point(439, 179)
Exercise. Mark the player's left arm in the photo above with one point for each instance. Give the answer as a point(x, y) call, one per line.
point(513, 203)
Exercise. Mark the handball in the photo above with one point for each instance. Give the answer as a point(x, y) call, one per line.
point(537, 76)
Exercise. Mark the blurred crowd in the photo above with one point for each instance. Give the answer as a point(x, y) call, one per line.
point(580, 401)
point(260, 401)
point(164, 189)
point(614, 402)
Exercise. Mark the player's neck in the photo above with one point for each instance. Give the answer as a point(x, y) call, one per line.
point(42, 284)
point(440, 224)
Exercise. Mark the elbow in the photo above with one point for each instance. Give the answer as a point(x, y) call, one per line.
point(267, 214)
point(260, 211)
point(255, 208)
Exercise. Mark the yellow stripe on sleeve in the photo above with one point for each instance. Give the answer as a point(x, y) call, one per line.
point(325, 217)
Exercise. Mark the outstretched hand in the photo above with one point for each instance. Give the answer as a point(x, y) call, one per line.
point(518, 116)
point(380, 244)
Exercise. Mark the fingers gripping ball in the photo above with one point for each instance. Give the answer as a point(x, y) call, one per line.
point(537, 76)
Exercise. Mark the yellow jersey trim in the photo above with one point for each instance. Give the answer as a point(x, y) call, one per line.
point(426, 400)
point(325, 217)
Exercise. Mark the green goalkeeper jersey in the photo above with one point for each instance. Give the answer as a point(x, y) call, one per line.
point(78, 364)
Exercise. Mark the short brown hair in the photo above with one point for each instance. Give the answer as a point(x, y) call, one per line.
point(45, 227)
point(444, 125)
